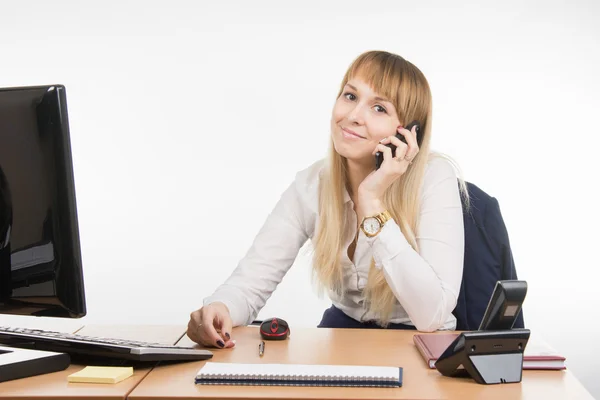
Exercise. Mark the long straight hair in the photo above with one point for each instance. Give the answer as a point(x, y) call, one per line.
point(406, 87)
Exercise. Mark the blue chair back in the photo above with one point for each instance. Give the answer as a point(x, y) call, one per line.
point(488, 259)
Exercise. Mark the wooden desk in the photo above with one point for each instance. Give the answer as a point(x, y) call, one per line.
point(347, 346)
point(55, 385)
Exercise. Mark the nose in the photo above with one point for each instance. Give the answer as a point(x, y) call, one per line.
point(355, 116)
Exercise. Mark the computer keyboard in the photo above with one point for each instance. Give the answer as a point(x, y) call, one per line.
point(98, 346)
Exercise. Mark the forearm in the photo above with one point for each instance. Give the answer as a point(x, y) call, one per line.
point(427, 296)
point(272, 253)
point(425, 281)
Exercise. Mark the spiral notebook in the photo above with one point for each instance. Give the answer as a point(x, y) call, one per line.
point(213, 373)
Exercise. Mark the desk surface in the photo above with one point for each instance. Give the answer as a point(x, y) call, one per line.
point(306, 346)
point(347, 346)
point(55, 385)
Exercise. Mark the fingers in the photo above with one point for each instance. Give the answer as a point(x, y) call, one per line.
point(401, 147)
point(223, 325)
point(203, 325)
point(226, 327)
point(411, 140)
point(405, 152)
point(387, 152)
point(208, 333)
point(193, 330)
point(400, 151)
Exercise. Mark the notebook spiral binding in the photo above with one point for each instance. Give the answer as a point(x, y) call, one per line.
point(298, 380)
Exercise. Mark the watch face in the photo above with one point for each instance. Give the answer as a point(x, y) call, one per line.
point(371, 226)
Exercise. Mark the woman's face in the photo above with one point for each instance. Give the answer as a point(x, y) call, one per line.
point(360, 119)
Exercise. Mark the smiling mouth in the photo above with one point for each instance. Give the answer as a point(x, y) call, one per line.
point(348, 132)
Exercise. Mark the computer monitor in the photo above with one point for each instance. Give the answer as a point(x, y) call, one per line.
point(40, 257)
point(40, 265)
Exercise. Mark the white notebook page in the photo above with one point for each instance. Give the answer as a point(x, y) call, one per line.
point(237, 370)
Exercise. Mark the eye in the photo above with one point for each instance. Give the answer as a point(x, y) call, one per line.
point(381, 109)
point(350, 96)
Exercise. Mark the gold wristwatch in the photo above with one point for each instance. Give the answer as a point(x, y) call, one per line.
point(371, 226)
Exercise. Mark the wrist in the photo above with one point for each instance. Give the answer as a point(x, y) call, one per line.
point(220, 304)
point(371, 206)
point(372, 224)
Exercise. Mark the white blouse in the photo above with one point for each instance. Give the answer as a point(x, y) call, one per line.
point(426, 284)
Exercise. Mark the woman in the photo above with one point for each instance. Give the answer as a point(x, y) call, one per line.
point(388, 242)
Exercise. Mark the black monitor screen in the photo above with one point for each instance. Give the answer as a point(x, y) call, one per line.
point(40, 257)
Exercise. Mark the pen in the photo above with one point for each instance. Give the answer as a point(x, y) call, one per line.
point(261, 348)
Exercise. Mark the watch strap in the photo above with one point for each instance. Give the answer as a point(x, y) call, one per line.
point(382, 217)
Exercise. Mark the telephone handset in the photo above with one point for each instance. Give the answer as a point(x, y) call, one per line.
point(379, 155)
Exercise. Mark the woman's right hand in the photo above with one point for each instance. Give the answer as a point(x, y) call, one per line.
point(211, 326)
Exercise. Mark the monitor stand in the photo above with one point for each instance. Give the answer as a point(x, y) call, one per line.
point(16, 363)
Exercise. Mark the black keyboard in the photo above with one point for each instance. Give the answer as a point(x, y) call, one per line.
point(96, 346)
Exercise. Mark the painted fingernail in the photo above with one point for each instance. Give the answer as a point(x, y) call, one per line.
point(220, 343)
point(227, 334)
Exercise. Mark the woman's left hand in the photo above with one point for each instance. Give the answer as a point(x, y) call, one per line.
point(375, 184)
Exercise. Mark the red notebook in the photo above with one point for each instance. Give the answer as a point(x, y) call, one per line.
point(538, 355)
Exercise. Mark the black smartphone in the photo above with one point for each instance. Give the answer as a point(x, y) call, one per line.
point(379, 155)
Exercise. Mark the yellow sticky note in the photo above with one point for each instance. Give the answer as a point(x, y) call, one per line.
point(101, 374)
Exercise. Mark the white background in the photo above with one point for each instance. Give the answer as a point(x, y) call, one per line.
point(188, 119)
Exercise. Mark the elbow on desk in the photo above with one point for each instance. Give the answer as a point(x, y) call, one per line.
point(437, 317)
point(428, 324)
point(427, 328)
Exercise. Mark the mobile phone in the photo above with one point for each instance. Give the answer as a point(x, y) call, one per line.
point(379, 155)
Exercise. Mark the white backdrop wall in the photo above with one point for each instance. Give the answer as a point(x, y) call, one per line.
point(188, 119)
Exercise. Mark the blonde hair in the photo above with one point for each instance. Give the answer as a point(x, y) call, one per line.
point(406, 87)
